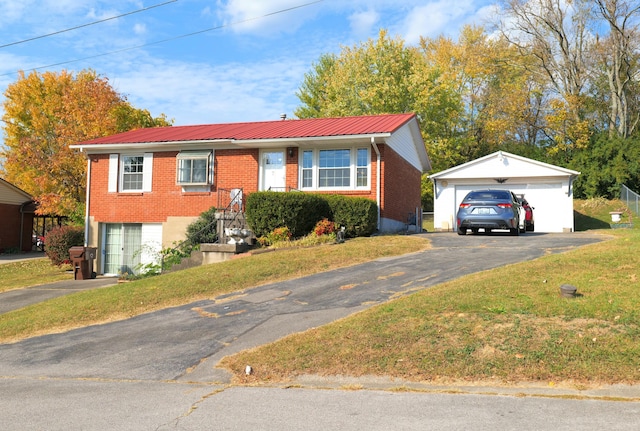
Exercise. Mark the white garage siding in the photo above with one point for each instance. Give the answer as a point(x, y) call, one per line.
point(547, 188)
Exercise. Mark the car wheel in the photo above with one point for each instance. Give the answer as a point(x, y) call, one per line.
point(530, 227)
point(462, 231)
point(515, 231)
point(474, 230)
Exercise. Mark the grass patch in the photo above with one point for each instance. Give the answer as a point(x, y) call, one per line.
point(205, 282)
point(31, 272)
point(594, 213)
point(508, 324)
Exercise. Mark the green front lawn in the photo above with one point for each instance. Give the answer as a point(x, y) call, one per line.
point(31, 272)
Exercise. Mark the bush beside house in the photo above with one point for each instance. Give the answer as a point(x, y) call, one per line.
point(59, 240)
point(300, 212)
point(356, 214)
point(204, 229)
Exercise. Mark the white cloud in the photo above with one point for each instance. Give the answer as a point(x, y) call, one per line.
point(362, 23)
point(262, 17)
point(200, 93)
point(442, 17)
point(11, 10)
point(218, 76)
point(139, 28)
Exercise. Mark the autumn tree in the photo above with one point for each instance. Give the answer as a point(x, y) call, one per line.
point(556, 34)
point(383, 76)
point(46, 112)
point(380, 76)
point(619, 60)
point(370, 78)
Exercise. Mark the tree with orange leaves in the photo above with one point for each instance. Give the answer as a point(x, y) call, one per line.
point(46, 112)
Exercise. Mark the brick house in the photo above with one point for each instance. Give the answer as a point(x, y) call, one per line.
point(16, 212)
point(144, 187)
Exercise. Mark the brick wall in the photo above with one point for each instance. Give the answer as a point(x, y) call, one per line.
point(291, 168)
point(401, 186)
point(237, 169)
point(12, 222)
point(232, 169)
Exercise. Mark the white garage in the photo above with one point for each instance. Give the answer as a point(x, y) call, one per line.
point(547, 188)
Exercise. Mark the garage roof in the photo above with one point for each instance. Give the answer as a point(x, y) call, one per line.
point(12, 195)
point(502, 164)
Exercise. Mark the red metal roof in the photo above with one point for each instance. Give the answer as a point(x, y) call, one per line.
point(281, 129)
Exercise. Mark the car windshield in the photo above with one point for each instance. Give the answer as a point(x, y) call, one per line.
point(488, 195)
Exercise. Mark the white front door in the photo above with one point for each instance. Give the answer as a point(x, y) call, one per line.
point(272, 165)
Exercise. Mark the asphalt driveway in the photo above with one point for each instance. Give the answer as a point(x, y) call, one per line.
point(184, 343)
point(157, 371)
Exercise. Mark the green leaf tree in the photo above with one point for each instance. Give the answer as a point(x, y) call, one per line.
point(606, 164)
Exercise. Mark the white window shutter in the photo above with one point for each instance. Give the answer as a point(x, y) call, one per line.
point(147, 172)
point(113, 173)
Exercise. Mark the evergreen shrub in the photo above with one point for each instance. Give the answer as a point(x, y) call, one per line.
point(267, 211)
point(205, 229)
point(358, 215)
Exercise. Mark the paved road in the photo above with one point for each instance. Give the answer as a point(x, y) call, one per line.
point(153, 371)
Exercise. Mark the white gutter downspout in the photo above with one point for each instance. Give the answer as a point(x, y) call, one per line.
point(86, 210)
point(378, 180)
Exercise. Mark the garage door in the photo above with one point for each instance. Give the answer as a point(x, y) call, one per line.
point(542, 197)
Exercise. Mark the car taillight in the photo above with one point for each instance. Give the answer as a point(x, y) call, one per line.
point(504, 205)
point(463, 205)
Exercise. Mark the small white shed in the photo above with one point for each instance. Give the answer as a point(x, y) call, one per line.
point(547, 188)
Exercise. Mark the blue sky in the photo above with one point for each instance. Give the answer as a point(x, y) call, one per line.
point(247, 68)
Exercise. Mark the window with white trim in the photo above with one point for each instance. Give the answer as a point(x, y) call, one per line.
point(362, 167)
point(194, 168)
point(335, 168)
point(307, 169)
point(130, 172)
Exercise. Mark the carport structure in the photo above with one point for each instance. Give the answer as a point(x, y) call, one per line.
point(547, 188)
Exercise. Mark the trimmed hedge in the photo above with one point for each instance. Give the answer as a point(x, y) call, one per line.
point(358, 215)
point(59, 240)
point(300, 212)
